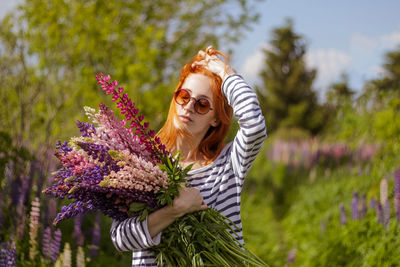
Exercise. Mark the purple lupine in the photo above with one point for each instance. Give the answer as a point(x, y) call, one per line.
point(386, 213)
point(383, 191)
point(363, 206)
point(87, 129)
point(47, 243)
point(1, 211)
point(354, 206)
point(77, 234)
point(8, 254)
point(343, 216)
point(397, 194)
point(291, 256)
point(372, 203)
point(72, 210)
point(94, 248)
point(55, 245)
point(322, 227)
point(379, 213)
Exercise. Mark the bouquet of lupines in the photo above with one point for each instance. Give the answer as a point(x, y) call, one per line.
point(119, 167)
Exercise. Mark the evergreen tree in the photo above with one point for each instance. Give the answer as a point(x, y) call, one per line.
point(340, 92)
point(377, 92)
point(287, 97)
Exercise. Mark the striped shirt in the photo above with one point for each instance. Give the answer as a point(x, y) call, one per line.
point(220, 182)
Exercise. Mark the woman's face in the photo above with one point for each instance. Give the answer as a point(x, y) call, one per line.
point(198, 85)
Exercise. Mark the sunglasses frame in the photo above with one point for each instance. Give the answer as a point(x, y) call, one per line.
point(196, 101)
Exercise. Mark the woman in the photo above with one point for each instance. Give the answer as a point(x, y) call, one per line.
point(198, 121)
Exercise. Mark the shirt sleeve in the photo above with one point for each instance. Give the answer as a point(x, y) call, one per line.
point(252, 131)
point(131, 234)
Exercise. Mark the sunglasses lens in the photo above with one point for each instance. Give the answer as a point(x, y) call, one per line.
point(182, 97)
point(202, 106)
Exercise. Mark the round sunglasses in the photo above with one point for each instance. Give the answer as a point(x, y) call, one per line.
point(201, 105)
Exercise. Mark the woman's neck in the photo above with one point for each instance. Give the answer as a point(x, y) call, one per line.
point(188, 148)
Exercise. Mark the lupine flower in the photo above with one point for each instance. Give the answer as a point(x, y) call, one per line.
point(386, 213)
point(33, 228)
point(354, 206)
point(47, 243)
point(1, 210)
point(80, 257)
point(379, 213)
point(8, 254)
point(323, 226)
point(363, 208)
point(94, 248)
point(397, 194)
point(343, 216)
point(77, 234)
point(67, 262)
point(372, 203)
point(383, 191)
point(56, 244)
point(291, 256)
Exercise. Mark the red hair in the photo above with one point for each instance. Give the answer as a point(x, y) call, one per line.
point(213, 141)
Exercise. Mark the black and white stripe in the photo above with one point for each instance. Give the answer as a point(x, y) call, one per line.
point(220, 183)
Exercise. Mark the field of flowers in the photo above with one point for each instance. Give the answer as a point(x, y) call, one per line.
point(333, 200)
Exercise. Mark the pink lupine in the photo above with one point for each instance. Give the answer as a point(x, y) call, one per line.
point(33, 228)
point(127, 108)
point(136, 173)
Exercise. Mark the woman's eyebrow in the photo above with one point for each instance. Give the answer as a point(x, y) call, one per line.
point(202, 96)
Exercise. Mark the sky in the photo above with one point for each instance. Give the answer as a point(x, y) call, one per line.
point(342, 36)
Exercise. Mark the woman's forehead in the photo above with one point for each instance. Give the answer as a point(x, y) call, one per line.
point(198, 84)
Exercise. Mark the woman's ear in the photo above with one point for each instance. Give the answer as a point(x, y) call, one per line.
point(215, 123)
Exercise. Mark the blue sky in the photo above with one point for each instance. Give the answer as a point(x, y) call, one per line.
point(343, 36)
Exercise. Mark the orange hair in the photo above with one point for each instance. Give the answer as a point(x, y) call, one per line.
point(213, 141)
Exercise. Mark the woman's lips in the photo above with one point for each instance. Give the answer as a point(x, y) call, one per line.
point(184, 118)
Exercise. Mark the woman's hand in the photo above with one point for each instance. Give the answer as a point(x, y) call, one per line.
point(189, 200)
point(213, 63)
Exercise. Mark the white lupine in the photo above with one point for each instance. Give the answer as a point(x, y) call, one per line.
point(383, 191)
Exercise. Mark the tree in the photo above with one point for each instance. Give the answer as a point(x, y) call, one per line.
point(377, 92)
point(50, 52)
point(340, 92)
point(287, 97)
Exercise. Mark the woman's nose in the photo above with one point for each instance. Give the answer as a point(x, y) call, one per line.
point(190, 105)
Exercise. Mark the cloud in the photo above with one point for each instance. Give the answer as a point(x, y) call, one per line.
point(330, 64)
point(391, 40)
point(254, 64)
point(360, 41)
point(363, 43)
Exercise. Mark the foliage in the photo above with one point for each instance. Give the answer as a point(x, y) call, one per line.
point(340, 93)
point(51, 50)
